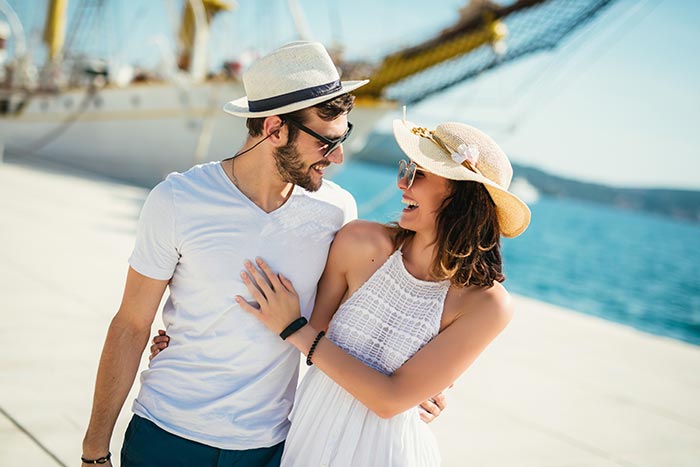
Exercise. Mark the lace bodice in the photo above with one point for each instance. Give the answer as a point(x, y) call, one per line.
point(390, 317)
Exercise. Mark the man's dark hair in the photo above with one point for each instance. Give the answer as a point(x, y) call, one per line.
point(327, 110)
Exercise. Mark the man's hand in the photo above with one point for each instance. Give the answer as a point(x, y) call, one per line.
point(160, 342)
point(432, 408)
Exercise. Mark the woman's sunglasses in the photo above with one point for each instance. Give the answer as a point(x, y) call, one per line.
point(331, 144)
point(407, 173)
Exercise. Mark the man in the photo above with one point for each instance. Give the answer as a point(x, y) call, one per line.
point(222, 392)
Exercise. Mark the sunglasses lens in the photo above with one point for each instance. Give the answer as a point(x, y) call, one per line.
point(332, 147)
point(406, 173)
point(402, 171)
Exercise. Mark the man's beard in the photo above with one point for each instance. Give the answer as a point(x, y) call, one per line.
point(291, 168)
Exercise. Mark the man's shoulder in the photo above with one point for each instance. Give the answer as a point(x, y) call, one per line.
point(199, 179)
point(331, 191)
point(195, 173)
point(335, 195)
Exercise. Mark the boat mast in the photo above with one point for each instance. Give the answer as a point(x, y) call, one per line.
point(194, 35)
point(299, 21)
point(55, 29)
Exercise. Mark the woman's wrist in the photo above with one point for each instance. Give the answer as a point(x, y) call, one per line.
point(303, 338)
point(293, 327)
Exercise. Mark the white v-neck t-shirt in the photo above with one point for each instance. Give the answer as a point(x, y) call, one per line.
point(225, 380)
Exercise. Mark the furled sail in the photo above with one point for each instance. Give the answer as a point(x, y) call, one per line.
point(486, 35)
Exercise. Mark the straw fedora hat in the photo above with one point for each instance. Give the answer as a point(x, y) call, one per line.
point(295, 76)
point(460, 152)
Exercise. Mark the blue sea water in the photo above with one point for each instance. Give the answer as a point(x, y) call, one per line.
point(635, 268)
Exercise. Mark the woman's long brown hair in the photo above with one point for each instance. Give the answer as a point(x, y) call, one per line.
point(468, 238)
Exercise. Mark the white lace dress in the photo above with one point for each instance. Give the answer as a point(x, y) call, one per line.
point(383, 324)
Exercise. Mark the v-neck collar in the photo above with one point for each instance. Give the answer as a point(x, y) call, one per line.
point(234, 188)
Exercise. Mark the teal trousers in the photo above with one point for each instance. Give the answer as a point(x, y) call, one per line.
point(148, 445)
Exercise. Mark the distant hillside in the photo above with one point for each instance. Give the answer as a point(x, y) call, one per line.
point(679, 204)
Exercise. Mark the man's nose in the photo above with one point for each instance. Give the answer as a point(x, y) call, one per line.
point(337, 155)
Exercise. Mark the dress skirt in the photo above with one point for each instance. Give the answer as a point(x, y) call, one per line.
point(332, 428)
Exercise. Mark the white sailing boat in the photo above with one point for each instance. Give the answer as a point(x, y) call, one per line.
point(141, 132)
point(145, 128)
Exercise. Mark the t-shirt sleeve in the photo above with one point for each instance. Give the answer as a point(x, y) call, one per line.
point(350, 210)
point(155, 253)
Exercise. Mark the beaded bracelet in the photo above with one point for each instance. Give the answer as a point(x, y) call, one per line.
point(313, 347)
point(99, 460)
point(293, 327)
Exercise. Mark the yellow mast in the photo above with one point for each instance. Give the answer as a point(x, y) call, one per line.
point(188, 27)
point(55, 28)
point(405, 63)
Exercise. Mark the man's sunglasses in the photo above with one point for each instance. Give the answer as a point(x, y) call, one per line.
point(330, 144)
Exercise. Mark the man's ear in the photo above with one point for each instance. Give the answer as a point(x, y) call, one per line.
point(275, 127)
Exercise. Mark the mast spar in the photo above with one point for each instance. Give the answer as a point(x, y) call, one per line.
point(486, 35)
point(55, 29)
point(194, 34)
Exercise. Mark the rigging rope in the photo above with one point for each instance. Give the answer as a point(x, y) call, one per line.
point(474, 46)
point(51, 136)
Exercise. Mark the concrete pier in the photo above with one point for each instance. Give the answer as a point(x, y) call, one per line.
point(557, 389)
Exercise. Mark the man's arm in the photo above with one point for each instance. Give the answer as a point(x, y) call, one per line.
point(126, 339)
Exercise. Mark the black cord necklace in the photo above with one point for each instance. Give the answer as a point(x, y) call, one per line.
point(241, 152)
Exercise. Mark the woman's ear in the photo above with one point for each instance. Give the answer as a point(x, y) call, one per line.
point(276, 129)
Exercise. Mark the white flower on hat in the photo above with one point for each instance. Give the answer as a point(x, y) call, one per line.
point(469, 153)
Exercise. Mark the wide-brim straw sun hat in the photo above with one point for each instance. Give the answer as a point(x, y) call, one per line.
point(457, 151)
point(296, 76)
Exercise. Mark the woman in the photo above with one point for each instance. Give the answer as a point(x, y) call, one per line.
point(416, 302)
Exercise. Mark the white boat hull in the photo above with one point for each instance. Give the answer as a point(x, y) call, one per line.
point(142, 132)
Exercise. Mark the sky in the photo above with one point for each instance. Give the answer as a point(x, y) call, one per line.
point(618, 103)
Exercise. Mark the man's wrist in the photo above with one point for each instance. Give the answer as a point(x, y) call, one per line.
point(94, 453)
point(96, 460)
point(94, 450)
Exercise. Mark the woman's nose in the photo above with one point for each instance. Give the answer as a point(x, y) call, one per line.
point(402, 183)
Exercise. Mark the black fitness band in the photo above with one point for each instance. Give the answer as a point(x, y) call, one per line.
point(293, 327)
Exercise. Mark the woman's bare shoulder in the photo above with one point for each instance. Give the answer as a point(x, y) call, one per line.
point(359, 249)
point(361, 237)
point(492, 304)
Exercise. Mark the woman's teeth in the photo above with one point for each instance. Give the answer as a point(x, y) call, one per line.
point(411, 205)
